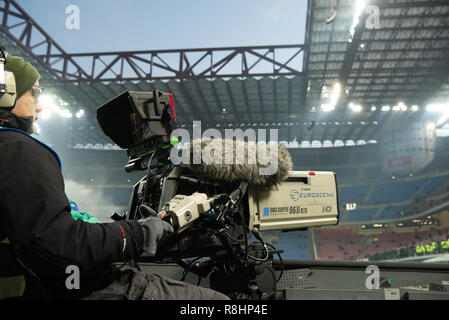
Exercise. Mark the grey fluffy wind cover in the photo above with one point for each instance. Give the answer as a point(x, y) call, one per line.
point(236, 166)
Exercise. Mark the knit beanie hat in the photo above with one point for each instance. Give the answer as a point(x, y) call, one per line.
point(26, 75)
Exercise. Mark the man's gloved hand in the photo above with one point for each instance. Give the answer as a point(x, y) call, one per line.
point(155, 230)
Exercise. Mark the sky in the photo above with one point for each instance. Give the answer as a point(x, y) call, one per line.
point(112, 25)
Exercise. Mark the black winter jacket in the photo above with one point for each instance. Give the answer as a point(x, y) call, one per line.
point(35, 217)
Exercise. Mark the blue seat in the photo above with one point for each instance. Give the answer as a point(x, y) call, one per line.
point(394, 192)
point(392, 212)
point(362, 214)
point(352, 194)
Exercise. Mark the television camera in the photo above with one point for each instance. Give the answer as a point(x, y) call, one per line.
point(218, 222)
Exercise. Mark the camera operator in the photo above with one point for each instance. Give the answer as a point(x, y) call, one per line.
point(40, 238)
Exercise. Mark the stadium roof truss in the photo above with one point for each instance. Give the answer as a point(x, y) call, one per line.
point(403, 58)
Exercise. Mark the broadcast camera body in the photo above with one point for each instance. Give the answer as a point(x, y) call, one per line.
point(213, 218)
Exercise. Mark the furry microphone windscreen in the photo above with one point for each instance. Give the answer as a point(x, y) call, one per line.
point(228, 160)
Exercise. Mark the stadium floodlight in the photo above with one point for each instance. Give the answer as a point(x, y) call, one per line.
point(373, 108)
point(327, 107)
point(414, 108)
point(335, 95)
point(400, 107)
point(433, 107)
point(437, 107)
point(66, 113)
point(336, 89)
point(385, 108)
point(50, 107)
point(333, 99)
point(355, 107)
point(80, 113)
point(359, 7)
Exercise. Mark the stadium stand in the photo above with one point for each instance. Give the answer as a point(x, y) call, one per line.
point(376, 197)
point(392, 212)
point(355, 194)
point(393, 199)
point(362, 214)
point(394, 192)
point(343, 244)
point(295, 245)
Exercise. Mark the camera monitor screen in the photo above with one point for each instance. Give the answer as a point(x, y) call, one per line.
point(138, 121)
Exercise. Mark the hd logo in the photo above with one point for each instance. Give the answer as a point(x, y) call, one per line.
point(327, 209)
